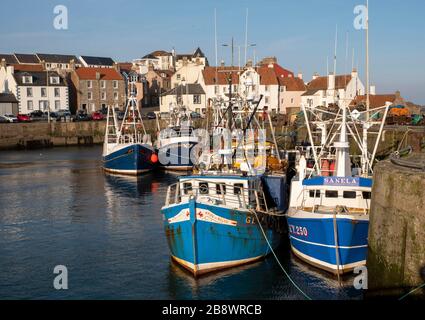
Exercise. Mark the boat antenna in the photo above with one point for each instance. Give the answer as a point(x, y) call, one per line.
point(336, 48)
point(246, 34)
point(367, 61)
point(335, 59)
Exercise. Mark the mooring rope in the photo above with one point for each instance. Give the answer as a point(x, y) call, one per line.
point(277, 260)
point(409, 293)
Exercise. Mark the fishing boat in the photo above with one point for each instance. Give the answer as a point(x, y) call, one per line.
point(127, 148)
point(176, 142)
point(229, 212)
point(328, 216)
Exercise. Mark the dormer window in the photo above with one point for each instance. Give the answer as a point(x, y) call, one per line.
point(26, 79)
point(54, 80)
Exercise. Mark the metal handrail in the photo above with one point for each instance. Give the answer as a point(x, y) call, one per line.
point(174, 196)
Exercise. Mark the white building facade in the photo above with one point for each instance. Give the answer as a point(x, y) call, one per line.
point(324, 91)
point(35, 90)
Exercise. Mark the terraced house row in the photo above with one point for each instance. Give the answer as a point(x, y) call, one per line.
point(89, 83)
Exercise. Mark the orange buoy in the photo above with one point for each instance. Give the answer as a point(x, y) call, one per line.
point(154, 158)
point(325, 168)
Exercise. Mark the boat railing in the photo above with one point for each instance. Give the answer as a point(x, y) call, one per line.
point(319, 200)
point(224, 194)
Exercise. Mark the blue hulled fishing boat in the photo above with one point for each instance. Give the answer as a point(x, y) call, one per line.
point(231, 211)
point(328, 215)
point(127, 148)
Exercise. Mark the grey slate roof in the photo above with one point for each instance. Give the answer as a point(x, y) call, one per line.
point(10, 58)
point(191, 88)
point(8, 97)
point(149, 56)
point(26, 58)
point(310, 92)
point(38, 79)
point(98, 61)
point(57, 58)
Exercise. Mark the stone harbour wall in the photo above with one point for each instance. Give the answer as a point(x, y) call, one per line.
point(396, 256)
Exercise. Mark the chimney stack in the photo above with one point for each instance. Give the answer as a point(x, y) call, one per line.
point(72, 64)
point(372, 90)
point(354, 73)
point(97, 75)
point(331, 81)
point(300, 75)
point(315, 76)
point(3, 63)
point(222, 63)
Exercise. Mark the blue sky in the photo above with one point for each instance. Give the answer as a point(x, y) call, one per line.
point(299, 33)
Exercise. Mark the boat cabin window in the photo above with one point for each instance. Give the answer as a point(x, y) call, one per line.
point(314, 193)
point(237, 188)
point(367, 195)
point(219, 187)
point(350, 194)
point(331, 194)
point(203, 188)
point(187, 187)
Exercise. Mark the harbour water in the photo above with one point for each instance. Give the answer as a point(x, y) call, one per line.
point(57, 207)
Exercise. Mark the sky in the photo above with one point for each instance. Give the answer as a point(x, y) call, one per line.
point(301, 34)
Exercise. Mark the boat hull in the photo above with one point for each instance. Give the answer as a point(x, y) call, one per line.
point(176, 156)
point(133, 159)
point(313, 240)
point(204, 238)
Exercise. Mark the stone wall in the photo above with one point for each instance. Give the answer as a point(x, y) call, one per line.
point(41, 134)
point(396, 257)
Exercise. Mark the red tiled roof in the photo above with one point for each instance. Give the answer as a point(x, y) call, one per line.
point(219, 75)
point(267, 76)
point(376, 101)
point(270, 74)
point(321, 83)
point(28, 67)
point(125, 66)
point(282, 72)
point(105, 73)
point(292, 84)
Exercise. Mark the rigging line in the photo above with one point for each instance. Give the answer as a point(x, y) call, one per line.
point(409, 293)
point(277, 260)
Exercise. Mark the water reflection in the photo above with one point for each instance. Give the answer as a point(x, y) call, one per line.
point(59, 207)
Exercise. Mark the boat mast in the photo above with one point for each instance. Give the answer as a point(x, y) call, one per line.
point(365, 166)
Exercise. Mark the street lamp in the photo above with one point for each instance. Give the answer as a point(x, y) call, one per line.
point(47, 93)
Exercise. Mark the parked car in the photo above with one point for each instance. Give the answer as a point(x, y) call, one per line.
point(23, 118)
point(96, 116)
point(52, 115)
point(10, 118)
point(151, 115)
point(81, 115)
point(3, 120)
point(195, 115)
point(120, 115)
point(63, 113)
point(37, 115)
